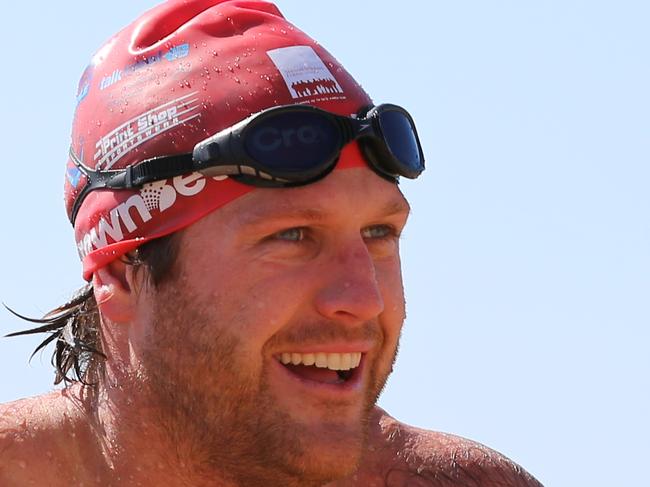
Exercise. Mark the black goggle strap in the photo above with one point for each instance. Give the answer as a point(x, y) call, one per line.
point(135, 176)
point(156, 169)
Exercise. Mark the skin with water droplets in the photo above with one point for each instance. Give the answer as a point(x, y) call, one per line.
point(397, 455)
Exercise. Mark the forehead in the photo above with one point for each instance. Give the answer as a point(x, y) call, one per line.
point(344, 194)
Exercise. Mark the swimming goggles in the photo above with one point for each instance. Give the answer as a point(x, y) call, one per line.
point(281, 146)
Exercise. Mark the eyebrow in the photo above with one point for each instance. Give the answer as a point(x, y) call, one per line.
point(278, 212)
point(395, 207)
point(314, 215)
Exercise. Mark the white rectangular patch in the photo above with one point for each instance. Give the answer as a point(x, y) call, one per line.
point(304, 72)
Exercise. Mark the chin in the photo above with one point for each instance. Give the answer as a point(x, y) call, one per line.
point(327, 461)
point(330, 447)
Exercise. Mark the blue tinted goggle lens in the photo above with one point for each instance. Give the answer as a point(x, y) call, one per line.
point(399, 136)
point(293, 142)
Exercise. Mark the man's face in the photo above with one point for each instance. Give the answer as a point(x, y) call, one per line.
point(300, 274)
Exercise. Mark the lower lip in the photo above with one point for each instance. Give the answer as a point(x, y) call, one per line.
point(351, 386)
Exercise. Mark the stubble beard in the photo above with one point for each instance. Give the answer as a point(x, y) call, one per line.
point(220, 414)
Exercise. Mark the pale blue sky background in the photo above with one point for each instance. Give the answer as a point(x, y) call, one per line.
point(527, 261)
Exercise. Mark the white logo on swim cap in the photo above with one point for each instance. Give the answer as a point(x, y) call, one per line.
point(304, 72)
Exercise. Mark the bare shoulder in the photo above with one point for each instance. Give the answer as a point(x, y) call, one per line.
point(402, 455)
point(32, 433)
point(445, 459)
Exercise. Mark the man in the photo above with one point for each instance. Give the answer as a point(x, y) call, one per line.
point(234, 199)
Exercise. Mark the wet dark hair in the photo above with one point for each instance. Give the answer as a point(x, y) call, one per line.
point(75, 325)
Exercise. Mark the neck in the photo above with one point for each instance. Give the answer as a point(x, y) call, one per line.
point(140, 444)
point(111, 435)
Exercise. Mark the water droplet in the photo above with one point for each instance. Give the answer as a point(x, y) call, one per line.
point(215, 53)
point(237, 80)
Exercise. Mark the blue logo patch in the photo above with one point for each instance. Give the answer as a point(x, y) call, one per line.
point(174, 53)
point(84, 83)
point(83, 92)
point(178, 52)
point(73, 174)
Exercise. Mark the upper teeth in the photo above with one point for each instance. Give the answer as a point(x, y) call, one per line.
point(332, 361)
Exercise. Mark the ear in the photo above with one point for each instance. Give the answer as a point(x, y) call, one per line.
point(114, 292)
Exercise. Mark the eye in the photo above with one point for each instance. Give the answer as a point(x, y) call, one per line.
point(378, 232)
point(295, 234)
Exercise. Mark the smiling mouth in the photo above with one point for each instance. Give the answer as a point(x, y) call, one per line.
point(329, 368)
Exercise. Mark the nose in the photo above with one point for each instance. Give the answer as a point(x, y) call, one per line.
point(351, 293)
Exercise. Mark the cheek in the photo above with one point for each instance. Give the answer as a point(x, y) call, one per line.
point(251, 299)
point(274, 297)
point(389, 278)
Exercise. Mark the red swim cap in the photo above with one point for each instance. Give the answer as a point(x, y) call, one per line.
point(180, 73)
